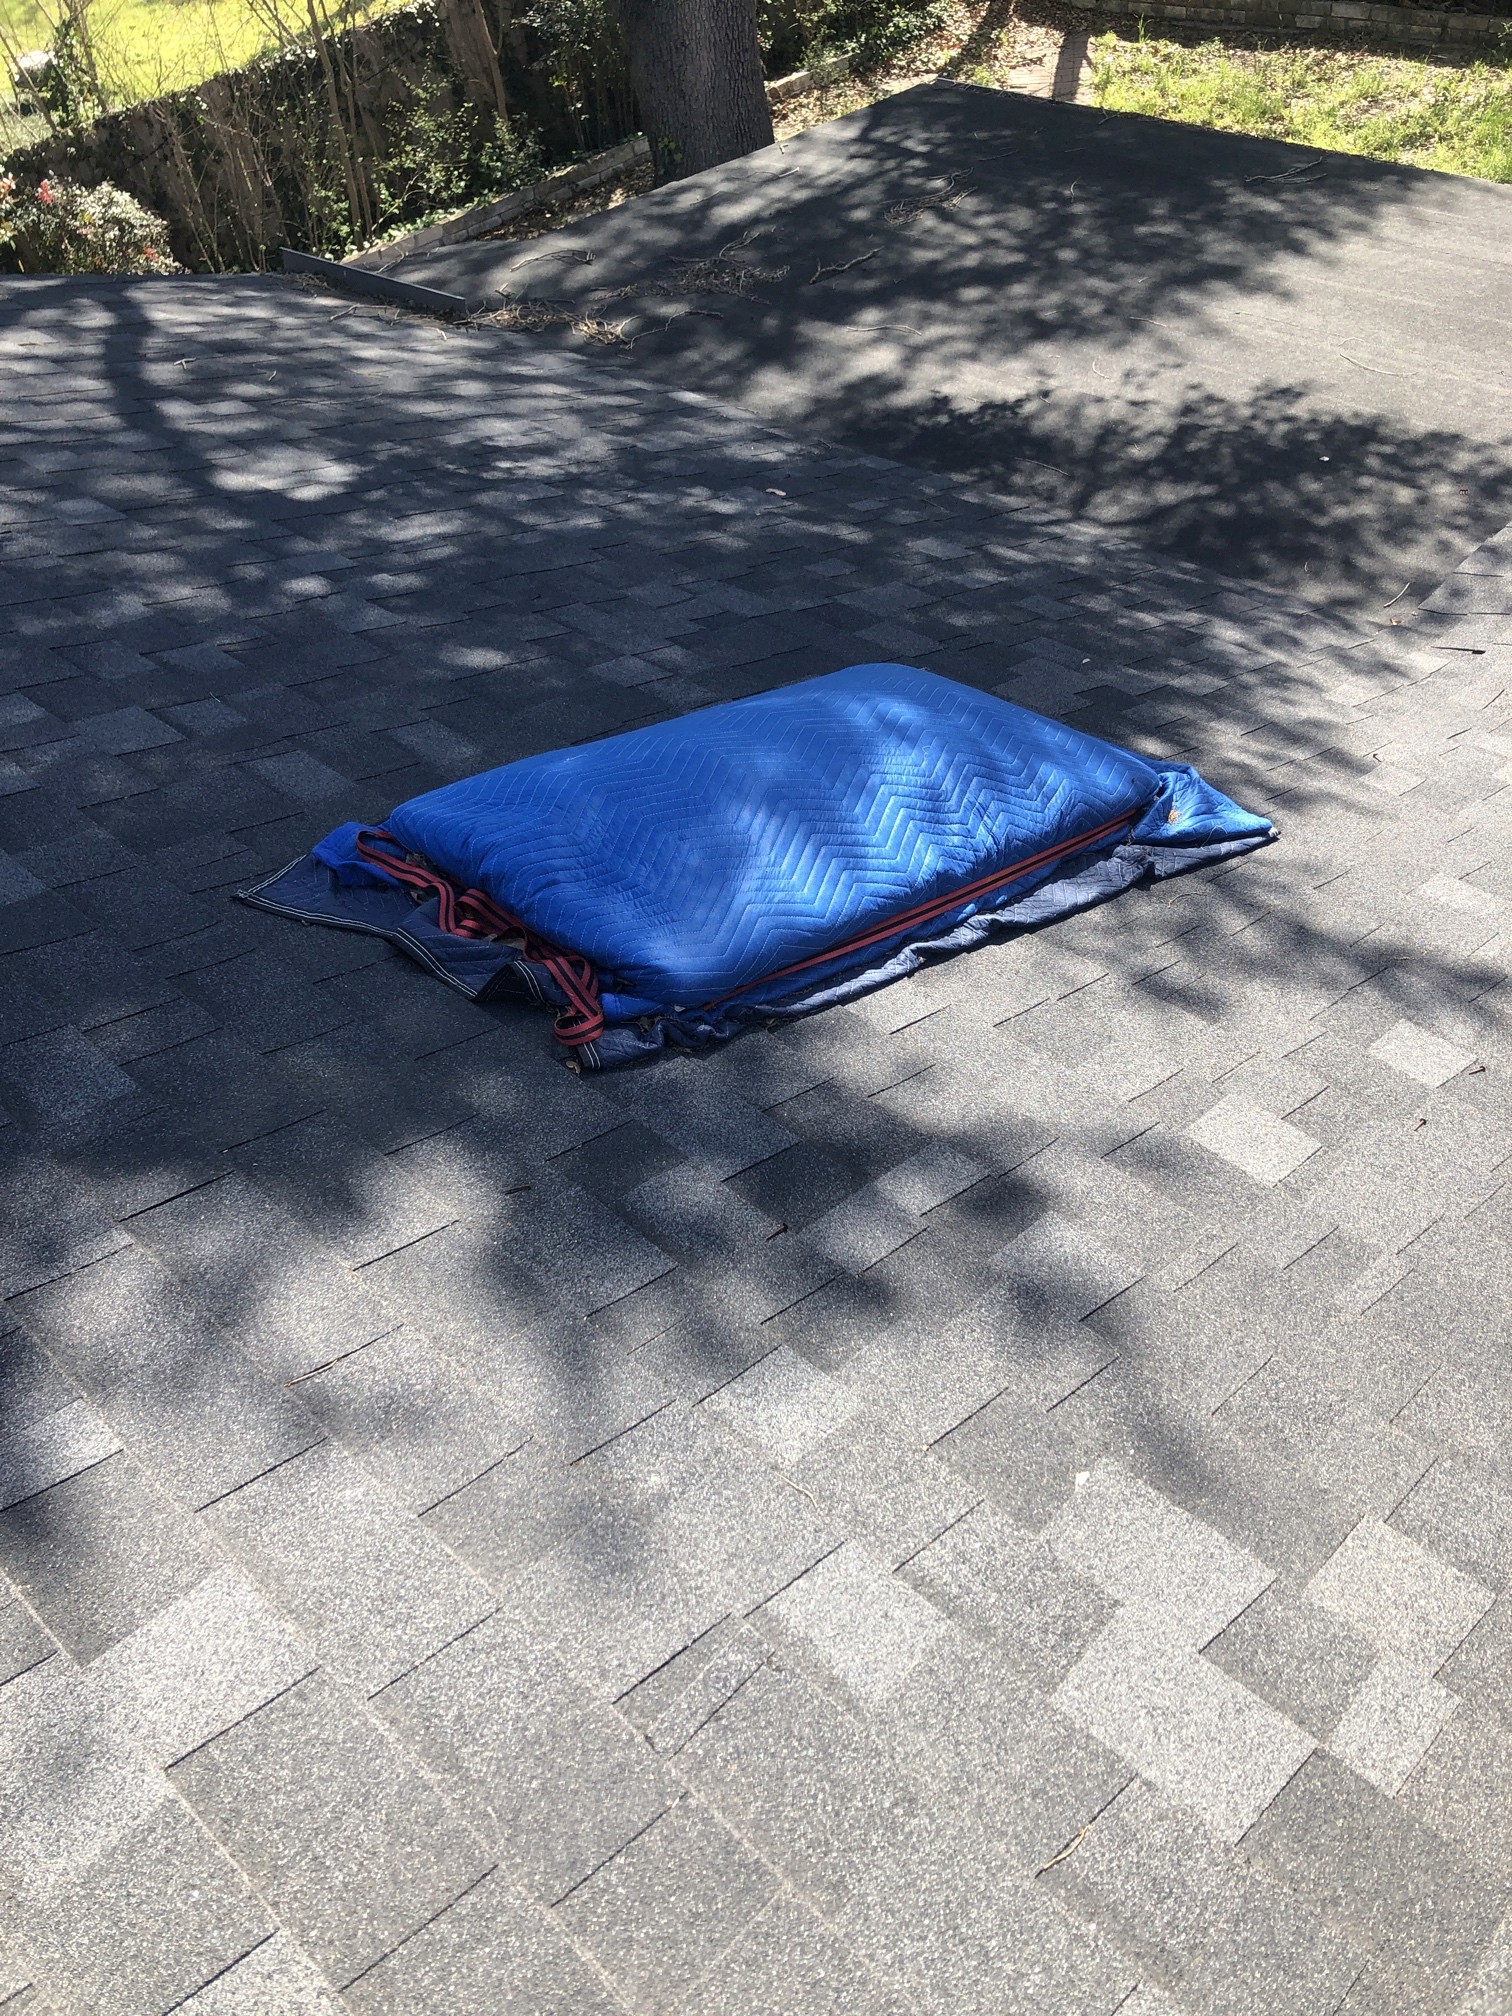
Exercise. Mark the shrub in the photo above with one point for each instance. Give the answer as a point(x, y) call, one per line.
point(69, 83)
point(583, 53)
point(61, 227)
point(438, 157)
point(793, 31)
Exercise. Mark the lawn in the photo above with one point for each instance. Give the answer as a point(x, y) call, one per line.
point(1444, 113)
point(1433, 114)
point(144, 47)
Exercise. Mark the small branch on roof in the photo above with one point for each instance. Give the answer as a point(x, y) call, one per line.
point(866, 328)
point(1070, 1849)
point(596, 330)
point(718, 275)
point(523, 312)
point(1287, 173)
point(652, 329)
point(828, 272)
point(532, 316)
point(916, 206)
point(582, 258)
point(656, 328)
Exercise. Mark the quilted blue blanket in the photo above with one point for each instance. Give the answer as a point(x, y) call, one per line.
point(759, 859)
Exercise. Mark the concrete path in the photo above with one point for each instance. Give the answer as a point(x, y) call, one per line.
point(1287, 365)
point(994, 1500)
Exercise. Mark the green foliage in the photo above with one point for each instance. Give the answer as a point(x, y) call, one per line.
point(60, 227)
point(582, 52)
point(582, 37)
point(68, 84)
point(578, 32)
point(870, 31)
point(1456, 117)
point(438, 157)
point(146, 47)
point(383, 118)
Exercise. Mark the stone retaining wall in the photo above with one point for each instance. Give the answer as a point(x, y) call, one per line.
point(1338, 20)
point(565, 184)
point(485, 217)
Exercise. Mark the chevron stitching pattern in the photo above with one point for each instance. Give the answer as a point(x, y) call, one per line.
point(689, 859)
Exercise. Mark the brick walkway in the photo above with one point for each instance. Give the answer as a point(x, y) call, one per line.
point(995, 1499)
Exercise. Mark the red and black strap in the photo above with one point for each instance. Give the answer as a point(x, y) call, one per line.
point(936, 906)
point(470, 913)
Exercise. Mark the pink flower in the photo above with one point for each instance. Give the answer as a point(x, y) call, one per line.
point(44, 193)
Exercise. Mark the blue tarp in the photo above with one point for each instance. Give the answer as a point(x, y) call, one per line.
point(763, 858)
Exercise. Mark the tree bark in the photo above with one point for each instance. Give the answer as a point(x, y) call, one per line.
point(695, 66)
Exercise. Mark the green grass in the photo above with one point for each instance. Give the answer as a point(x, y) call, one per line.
point(144, 47)
point(1454, 116)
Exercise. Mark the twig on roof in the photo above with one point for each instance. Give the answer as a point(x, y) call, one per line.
point(717, 275)
point(596, 330)
point(1286, 173)
point(565, 252)
point(828, 272)
point(523, 312)
point(532, 316)
point(656, 328)
point(915, 206)
point(1070, 1849)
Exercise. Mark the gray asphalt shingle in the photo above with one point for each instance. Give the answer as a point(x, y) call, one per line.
point(489, 1954)
point(158, 1913)
point(340, 1830)
point(665, 1910)
point(197, 1667)
point(370, 1588)
point(99, 1554)
point(910, 1512)
point(555, 1779)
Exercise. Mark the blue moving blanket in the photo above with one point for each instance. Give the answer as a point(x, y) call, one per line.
point(761, 859)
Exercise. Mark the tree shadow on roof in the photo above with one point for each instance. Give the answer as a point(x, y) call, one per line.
point(1182, 321)
point(350, 533)
point(1349, 509)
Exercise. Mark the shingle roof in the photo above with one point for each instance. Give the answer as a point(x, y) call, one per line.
point(1285, 364)
point(994, 1498)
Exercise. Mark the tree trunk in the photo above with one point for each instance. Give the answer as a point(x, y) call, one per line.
point(696, 69)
